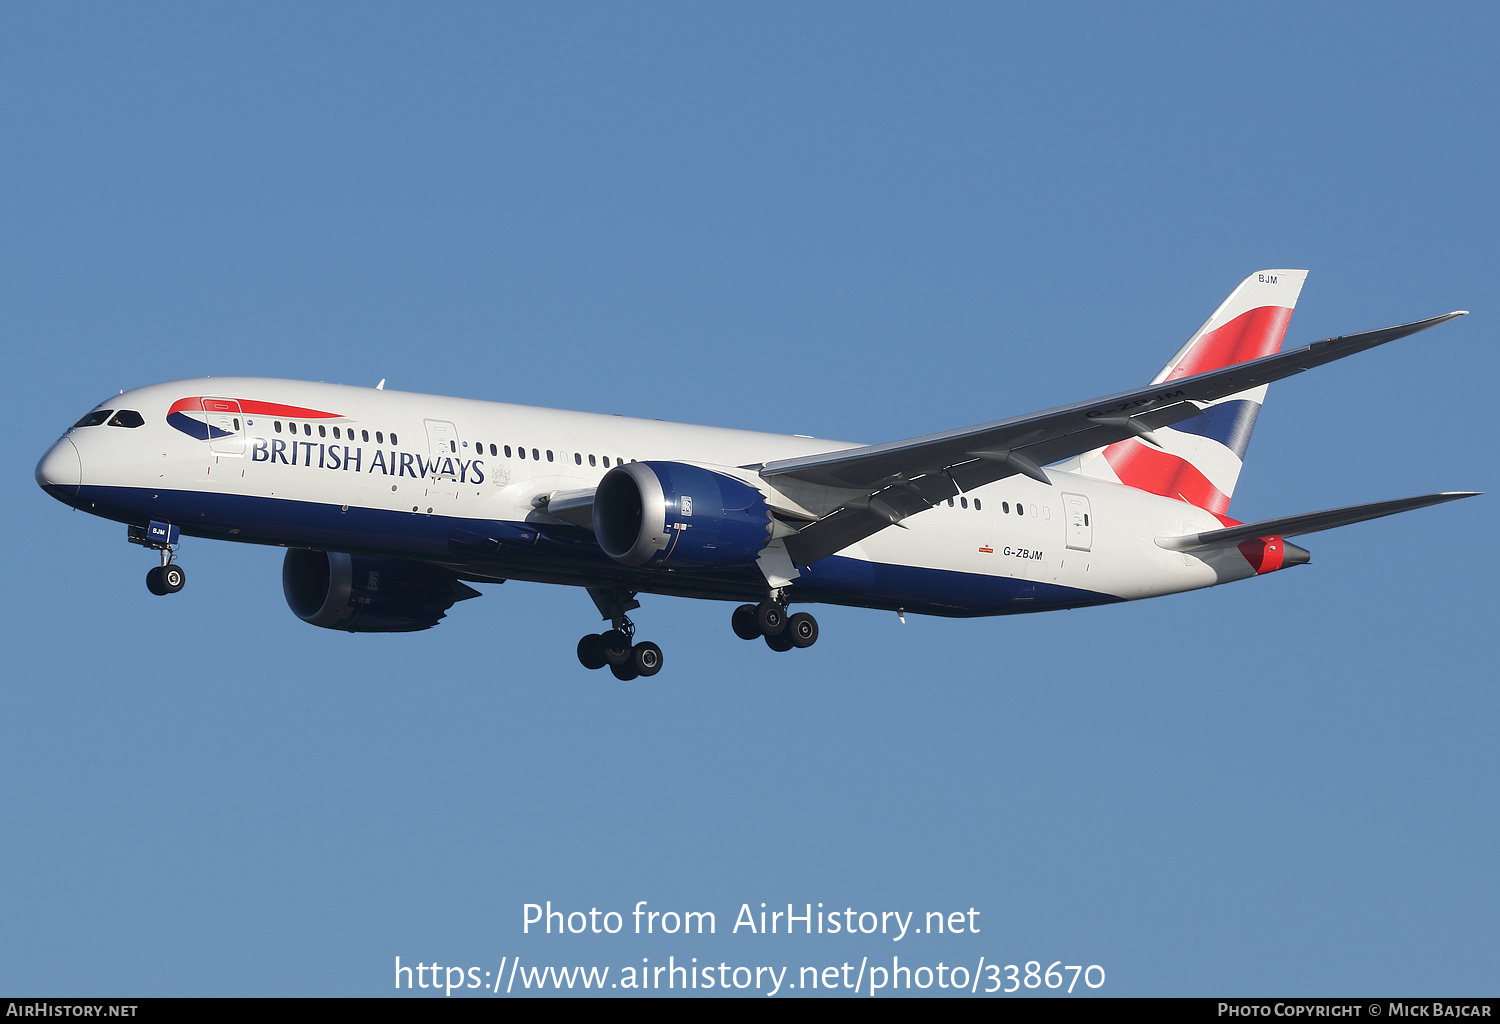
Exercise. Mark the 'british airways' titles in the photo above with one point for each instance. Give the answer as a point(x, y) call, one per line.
point(392, 463)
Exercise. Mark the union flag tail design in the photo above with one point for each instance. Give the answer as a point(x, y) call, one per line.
point(1199, 460)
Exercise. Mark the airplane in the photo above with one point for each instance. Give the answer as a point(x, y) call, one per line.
point(390, 504)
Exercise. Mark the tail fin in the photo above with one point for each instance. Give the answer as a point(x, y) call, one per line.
point(1199, 459)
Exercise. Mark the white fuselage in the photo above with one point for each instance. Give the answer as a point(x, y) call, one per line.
point(440, 467)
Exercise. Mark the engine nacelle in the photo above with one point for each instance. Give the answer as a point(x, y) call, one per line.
point(670, 514)
point(362, 594)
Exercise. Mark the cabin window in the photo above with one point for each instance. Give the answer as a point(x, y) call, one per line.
point(94, 418)
point(277, 425)
point(322, 430)
point(1085, 519)
point(578, 461)
point(493, 451)
point(950, 502)
point(606, 461)
point(379, 437)
point(127, 418)
point(521, 452)
point(549, 454)
point(335, 433)
point(364, 435)
point(964, 502)
point(1020, 509)
point(393, 437)
point(1005, 507)
point(507, 451)
point(591, 461)
point(976, 505)
point(453, 446)
point(534, 455)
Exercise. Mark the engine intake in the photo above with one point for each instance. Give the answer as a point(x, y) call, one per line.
point(679, 515)
point(361, 594)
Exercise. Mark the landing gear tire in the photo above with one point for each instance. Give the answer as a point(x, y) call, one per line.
point(802, 628)
point(616, 647)
point(744, 622)
point(779, 643)
point(771, 618)
point(625, 672)
point(154, 583)
point(172, 577)
point(645, 658)
point(591, 652)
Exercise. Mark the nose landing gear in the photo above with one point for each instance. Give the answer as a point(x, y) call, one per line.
point(169, 577)
point(616, 647)
point(166, 579)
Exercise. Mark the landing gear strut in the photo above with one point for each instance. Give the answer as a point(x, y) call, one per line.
point(167, 578)
point(769, 619)
point(616, 647)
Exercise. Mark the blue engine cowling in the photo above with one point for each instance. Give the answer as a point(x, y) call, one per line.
point(673, 515)
point(362, 594)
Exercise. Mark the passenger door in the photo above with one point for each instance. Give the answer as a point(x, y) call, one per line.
point(1079, 523)
point(442, 463)
point(226, 427)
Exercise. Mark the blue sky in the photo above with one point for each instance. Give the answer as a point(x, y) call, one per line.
point(841, 220)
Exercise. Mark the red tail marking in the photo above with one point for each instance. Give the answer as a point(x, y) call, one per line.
point(1254, 333)
point(1147, 469)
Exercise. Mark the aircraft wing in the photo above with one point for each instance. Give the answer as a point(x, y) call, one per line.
point(902, 478)
point(1308, 522)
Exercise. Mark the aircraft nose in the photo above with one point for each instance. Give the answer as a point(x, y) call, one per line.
point(61, 470)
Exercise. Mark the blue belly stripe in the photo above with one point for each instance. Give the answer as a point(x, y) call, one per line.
point(562, 554)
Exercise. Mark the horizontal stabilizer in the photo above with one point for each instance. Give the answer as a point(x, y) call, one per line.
point(1309, 522)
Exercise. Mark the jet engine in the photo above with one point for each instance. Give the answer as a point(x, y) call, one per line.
point(362, 594)
point(675, 515)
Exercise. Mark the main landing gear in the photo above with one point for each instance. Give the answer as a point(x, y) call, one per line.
point(616, 647)
point(167, 578)
point(769, 619)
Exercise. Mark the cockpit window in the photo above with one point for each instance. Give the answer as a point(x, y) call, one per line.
point(127, 418)
point(94, 418)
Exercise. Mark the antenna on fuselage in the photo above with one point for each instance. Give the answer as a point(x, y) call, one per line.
point(378, 387)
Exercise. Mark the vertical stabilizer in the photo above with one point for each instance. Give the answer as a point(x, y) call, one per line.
point(1199, 460)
